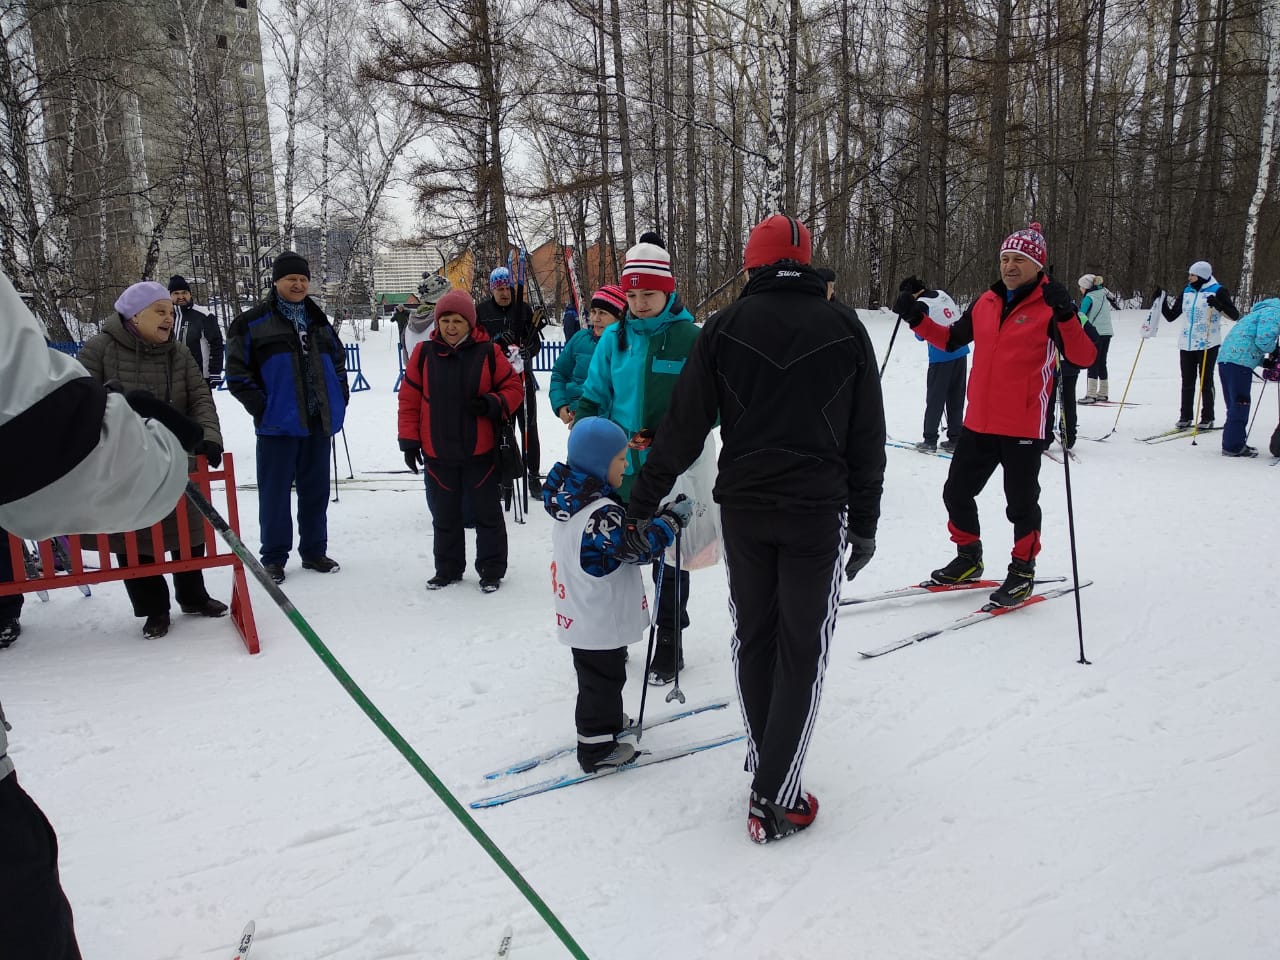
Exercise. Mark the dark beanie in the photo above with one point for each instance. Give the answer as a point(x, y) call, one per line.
point(826, 273)
point(912, 285)
point(652, 236)
point(178, 283)
point(289, 263)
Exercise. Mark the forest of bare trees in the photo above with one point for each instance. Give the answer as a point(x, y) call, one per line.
point(911, 138)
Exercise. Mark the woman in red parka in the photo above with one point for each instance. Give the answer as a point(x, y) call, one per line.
point(457, 386)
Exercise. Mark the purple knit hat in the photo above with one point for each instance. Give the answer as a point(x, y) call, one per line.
point(138, 297)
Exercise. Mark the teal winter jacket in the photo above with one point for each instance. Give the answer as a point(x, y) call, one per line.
point(1253, 335)
point(570, 370)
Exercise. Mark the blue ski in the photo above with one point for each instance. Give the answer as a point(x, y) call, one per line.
point(568, 780)
point(520, 766)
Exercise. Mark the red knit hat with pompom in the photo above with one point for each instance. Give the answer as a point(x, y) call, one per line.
point(1029, 243)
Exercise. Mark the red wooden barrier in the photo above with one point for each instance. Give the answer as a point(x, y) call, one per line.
point(216, 554)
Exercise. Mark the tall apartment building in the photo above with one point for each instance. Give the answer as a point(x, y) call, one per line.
point(160, 152)
point(399, 266)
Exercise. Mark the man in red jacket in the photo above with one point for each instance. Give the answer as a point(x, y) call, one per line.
point(1018, 327)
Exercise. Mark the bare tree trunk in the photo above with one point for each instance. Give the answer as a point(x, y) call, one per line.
point(624, 124)
point(692, 288)
point(1163, 218)
point(1266, 138)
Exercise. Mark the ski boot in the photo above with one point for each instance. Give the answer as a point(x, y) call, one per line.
point(768, 821)
point(1017, 585)
point(966, 566)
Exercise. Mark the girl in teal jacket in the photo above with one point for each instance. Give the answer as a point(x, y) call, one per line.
point(570, 371)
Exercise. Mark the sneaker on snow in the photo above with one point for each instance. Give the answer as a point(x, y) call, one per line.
point(927, 446)
point(209, 608)
point(490, 585)
point(1017, 585)
point(621, 754)
point(767, 821)
point(1245, 451)
point(967, 565)
point(947, 445)
point(156, 625)
point(1183, 424)
point(9, 630)
point(321, 565)
point(440, 581)
point(275, 571)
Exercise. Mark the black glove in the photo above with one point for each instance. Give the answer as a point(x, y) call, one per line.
point(483, 406)
point(1157, 294)
point(1212, 301)
point(862, 549)
point(909, 308)
point(1057, 297)
point(505, 340)
point(210, 451)
point(634, 542)
point(214, 382)
point(412, 455)
point(147, 406)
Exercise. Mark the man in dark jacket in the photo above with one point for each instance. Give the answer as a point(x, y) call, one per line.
point(510, 324)
point(287, 366)
point(198, 330)
point(792, 378)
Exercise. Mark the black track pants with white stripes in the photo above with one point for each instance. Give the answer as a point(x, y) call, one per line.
point(784, 586)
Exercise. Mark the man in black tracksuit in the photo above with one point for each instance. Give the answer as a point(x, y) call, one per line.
point(198, 330)
point(509, 323)
point(792, 377)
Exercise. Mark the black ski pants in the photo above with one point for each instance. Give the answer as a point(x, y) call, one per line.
point(976, 458)
point(1099, 369)
point(150, 595)
point(1192, 362)
point(446, 481)
point(598, 714)
point(785, 572)
point(35, 916)
point(527, 420)
point(1070, 382)
point(944, 390)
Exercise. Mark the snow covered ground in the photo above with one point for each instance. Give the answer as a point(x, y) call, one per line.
point(983, 794)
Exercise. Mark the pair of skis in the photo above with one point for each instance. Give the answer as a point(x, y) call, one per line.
point(987, 611)
point(1177, 433)
point(905, 445)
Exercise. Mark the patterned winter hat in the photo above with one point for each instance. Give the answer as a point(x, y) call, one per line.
point(648, 267)
point(1029, 242)
point(777, 237)
point(500, 277)
point(593, 443)
point(432, 288)
point(611, 299)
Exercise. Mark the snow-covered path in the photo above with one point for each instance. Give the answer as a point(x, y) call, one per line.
point(983, 795)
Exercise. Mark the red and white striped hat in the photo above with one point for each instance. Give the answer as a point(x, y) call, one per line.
point(648, 267)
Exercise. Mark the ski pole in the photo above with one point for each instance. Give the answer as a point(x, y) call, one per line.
point(676, 693)
point(1132, 370)
point(892, 337)
point(1204, 363)
point(1071, 516)
point(351, 473)
point(333, 448)
point(648, 657)
point(380, 721)
point(1255, 412)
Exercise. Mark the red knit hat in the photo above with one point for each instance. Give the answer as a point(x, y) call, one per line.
point(777, 237)
point(611, 298)
point(459, 302)
point(648, 267)
point(1029, 243)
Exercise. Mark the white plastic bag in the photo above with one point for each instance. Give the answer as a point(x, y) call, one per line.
point(700, 541)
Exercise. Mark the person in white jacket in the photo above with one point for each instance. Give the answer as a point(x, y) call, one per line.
point(73, 459)
point(1203, 303)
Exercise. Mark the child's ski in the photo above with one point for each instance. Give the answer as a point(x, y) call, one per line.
point(520, 766)
point(568, 780)
point(984, 613)
point(504, 945)
point(246, 941)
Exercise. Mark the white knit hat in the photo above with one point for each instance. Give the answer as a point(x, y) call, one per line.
point(1201, 269)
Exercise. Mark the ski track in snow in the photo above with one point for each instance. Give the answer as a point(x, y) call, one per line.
point(982, 794)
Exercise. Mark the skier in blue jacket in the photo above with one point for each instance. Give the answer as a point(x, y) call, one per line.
point(1243, 349)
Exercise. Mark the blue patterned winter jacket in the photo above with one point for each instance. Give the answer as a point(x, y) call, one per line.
point(1253, 335)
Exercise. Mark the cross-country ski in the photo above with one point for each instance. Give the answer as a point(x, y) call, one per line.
point(246, 941)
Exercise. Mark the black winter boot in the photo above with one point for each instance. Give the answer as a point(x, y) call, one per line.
point(1017, 585)
point(663, 668)
point(966, 566)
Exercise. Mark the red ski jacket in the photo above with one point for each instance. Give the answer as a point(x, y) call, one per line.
point(438, 382)
point(1013, 361)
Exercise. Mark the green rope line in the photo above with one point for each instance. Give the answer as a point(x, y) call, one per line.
point(317, 645)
